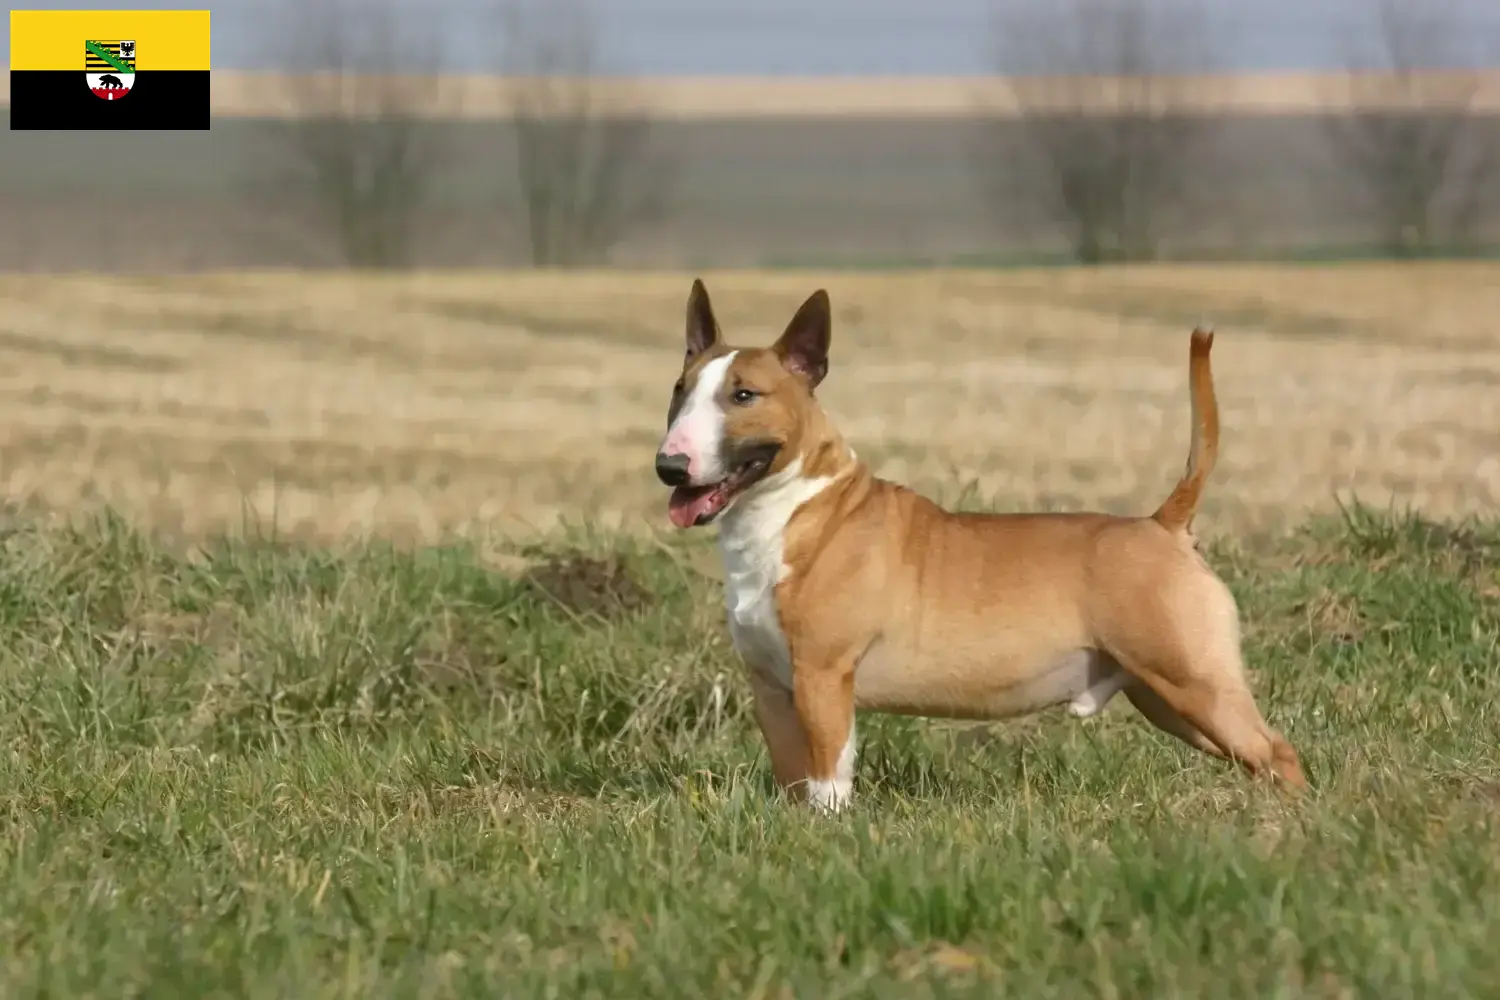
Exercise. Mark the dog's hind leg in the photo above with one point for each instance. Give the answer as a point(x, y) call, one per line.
point(1165, 717)
point(1226, 713)
point(1209, 700)
point(1191, 664)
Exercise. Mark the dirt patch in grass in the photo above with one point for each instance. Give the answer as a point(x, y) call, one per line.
point(587, 585)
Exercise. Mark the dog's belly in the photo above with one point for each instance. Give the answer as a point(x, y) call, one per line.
point(1083, 679)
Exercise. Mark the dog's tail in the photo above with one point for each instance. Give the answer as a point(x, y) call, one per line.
point(1176, 512)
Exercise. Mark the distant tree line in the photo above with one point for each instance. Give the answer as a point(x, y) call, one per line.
point(361, 156)
point(1113, 134)
point(1106, 98)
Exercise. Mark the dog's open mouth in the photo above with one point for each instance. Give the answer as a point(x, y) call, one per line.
point(692, 506)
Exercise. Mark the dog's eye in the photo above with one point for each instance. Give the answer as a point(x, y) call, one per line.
point(743, 396)
point(677, 389)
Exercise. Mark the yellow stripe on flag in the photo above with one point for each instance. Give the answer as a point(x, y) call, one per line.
point(42, 40)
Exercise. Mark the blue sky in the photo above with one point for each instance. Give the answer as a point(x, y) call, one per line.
point(665, 37)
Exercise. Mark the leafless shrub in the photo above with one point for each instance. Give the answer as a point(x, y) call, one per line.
point(356, 157)
point(1097, 97)
point(585, 168)
point(1413, 138)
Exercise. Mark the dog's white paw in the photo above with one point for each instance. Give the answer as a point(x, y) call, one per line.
point(830, 796)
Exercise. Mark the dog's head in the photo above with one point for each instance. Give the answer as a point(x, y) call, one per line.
point(736, 415)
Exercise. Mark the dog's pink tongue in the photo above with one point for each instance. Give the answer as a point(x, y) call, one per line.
point(688, 503)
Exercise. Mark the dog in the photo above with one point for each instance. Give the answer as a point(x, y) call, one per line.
point(846, 592)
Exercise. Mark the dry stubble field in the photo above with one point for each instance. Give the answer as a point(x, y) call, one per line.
point(423, 406)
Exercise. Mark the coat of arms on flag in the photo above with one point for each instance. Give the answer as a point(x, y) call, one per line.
point(109, 67)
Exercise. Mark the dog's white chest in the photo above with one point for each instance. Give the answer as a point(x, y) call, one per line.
point(754, 623)
point(751, 540)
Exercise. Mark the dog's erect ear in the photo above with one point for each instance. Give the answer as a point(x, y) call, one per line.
point(803, 348)
point(702, 328)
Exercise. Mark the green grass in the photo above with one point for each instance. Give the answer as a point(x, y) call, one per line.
point(254, 770)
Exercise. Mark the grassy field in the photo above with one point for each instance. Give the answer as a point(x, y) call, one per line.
point(251, 769)
point(428, 406)
point(258, 743)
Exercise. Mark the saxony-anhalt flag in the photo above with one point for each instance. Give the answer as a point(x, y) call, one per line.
point(109, 69)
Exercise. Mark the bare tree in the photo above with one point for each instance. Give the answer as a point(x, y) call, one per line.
point(585, 167)
point(1413, 137)
point(1096, 96)
point(357, 156)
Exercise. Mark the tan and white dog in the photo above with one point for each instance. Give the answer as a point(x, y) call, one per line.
point(845, 591)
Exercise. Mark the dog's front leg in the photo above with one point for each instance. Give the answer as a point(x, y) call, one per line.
point(824, 695)
point(782, 730)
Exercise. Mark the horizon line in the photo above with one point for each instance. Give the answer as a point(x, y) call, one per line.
point(256, 94)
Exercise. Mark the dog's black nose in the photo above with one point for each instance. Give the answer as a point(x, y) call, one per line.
point(672, 469)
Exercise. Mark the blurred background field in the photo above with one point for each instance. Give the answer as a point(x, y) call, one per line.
point(428, 404)
point(733, 188)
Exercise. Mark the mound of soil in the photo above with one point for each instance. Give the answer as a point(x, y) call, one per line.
point(584, 585)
